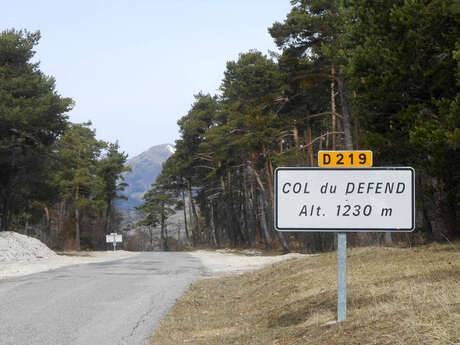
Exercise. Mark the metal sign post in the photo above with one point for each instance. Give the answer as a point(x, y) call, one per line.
point(341, 276)
point(344, 199)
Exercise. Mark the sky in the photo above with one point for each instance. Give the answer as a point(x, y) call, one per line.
point(132, 67)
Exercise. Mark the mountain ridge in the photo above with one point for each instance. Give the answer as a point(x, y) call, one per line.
point(145, 167)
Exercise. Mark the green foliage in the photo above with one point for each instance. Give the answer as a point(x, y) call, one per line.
point(402, 63)
point(310, 27)
point(192, 128)
point(396, 62)
point(248, 113)
point(159, 204)
point(43, 158)
point(110, 169)
point(78, 151)
point(32, 117)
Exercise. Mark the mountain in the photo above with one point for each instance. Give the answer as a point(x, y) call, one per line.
point(144, 169)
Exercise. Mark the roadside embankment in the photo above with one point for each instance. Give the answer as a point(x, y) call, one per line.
point(395, 296)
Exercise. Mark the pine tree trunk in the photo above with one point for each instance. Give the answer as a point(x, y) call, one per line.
point(252, 210)
point(197, 222)
point(45, 235)
point(248, 211)
point(263, 223)
point(62, 205)
point(261, 200)
point(192, 227)
point(185, 219)
point(77, 229)
point(108, 214)
point(346, 118)
point(26, 226)
point(162, 232)
point(47, 214)
point(77, 221)
point(7, 198)
point(213, 228)
point(270, 199)
point(269, 176)
point(333, 107)
point(295, 132)
point(6, 214)
point(230, 227)
point(193, 216)
point(310, 147)
point(166, 237)
point(151, 236)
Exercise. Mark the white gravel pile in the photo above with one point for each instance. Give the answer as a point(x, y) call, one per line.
point(17, 247)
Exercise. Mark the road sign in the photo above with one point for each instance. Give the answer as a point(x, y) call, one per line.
point(114, 238)
point(344, 199)
point(345, 159)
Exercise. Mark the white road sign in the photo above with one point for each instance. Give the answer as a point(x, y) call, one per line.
point(344, 199)
point(110, 238)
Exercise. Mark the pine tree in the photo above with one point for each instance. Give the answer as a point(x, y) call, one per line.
point(159, 204)
point(32, 117)
point(110, 170)
point(403, 67)
point(78, 151)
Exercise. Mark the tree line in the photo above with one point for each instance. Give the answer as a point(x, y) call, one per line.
point(355, 74)
point(52, 172)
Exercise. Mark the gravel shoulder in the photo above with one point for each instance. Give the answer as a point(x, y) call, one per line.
point(35, 265)
point(214, 264)
point(223, 262)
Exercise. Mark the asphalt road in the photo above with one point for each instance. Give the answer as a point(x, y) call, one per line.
point(116, 303)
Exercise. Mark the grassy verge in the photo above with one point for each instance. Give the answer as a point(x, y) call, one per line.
point(395, 296)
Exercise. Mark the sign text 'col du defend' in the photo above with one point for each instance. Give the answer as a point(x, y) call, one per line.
point(344, 199)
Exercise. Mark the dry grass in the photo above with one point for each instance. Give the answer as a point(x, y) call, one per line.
point(395, 296)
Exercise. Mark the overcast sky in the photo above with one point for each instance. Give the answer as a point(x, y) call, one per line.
point(132, 67)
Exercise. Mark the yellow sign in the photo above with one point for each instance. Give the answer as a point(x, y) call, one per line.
point(345, 159)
